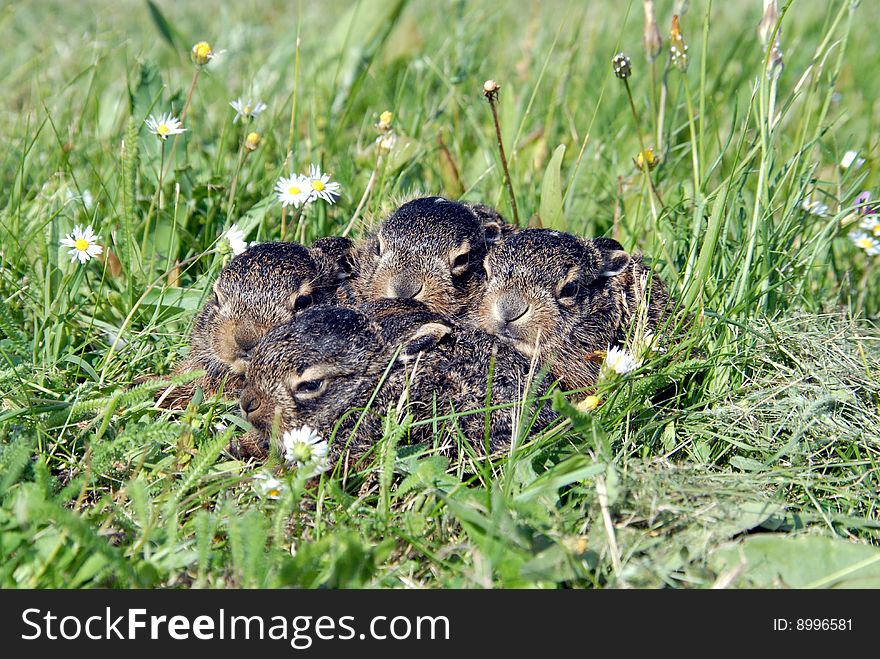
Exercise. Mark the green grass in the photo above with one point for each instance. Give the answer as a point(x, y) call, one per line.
point(734, 461)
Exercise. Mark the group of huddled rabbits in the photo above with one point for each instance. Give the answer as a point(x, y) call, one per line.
point(443, 310)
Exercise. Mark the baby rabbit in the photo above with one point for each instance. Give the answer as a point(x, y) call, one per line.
point(262, 287)
point(430, 249)
point(561, 299)
point(327, 365)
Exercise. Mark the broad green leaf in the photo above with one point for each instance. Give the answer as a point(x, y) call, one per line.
point(161, 23)
point(800, 562)
point(551, 192)
point(358, 37)
point(557, 564)
point(179, 298)
point(147, 93)
point(749, 515)
point(84, 365)
point(90, 569)
point(613, 487)
point(574, 469)
point(405, 149)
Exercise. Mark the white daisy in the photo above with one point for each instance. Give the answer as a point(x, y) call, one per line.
point(620, 361)
point(321, 186)
point(164, 126)
point(871, 224)
point(868, 243)
point(851, 159)
point(248, 110)
point(235, 237)
point(269, 487)
point(83, 243)
point(305, 448)
point(294, 190)
point(815, 207)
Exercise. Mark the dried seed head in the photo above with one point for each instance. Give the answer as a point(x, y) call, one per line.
point(385, 142)
point(766, 29)
point(490, 90)
point(775, 65)
point(678, 49)
point(768, 21)
point(622, 66)
point(651, 38)
point(252, 141)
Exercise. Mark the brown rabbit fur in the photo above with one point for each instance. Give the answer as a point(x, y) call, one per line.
point(330, 360)
point(562, 298)
point(262, 287)
point(430, 249)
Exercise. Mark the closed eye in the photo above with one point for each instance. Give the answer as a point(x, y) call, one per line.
point(306, 390)
point(312, 382)
point(309, 387)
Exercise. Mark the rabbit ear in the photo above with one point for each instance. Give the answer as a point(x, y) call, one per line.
point(494, 225)
point(614, 262)
point(333, 255)
point(613, 259)
point(492, 232)
point(605, 244)
point(220, 295)
point(422, 340)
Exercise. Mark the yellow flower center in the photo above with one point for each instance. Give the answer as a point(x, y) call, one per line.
point(590, 403)
point(81, 244)
point(293, 190)
point(317, 185)
point(162, 129)
point(864, 243)
point(252, 141)
point(274, 492)
point(202, 52)
point(302, 452)
point(246, 110)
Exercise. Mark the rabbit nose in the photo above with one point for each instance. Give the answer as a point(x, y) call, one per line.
point(245, 345)
point(510, 307)
point(250, 403)
point(405, 286)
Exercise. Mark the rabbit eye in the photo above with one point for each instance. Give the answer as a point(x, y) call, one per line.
point(569, 290)
point(377, 248)
point(308, 389)
point(302, 302)
point(461, 260)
